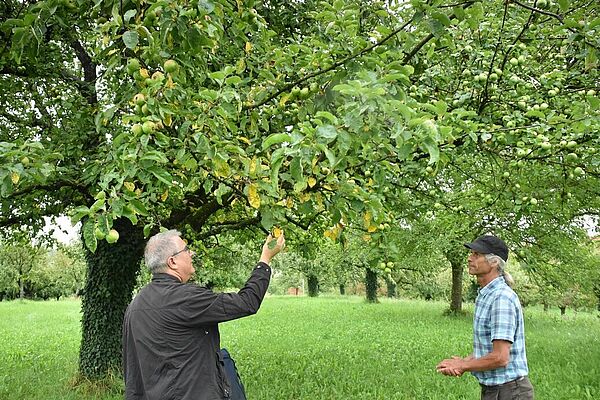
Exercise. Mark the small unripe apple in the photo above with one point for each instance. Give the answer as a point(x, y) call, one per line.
point(578, 171)
point(148, 127)
point(112, 236)
point(133, 65)
point(533, 201)
point(99, 234)
point(139, 99)
point(137, 129)
point(571, 157)
point(158, 76)
point(171, 66)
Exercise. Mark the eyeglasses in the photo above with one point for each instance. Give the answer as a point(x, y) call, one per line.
point(181, 251)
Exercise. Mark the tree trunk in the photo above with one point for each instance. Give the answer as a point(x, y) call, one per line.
point(391, 288)
point(371, 285)
point(313, 286)
point(457, 281)
point(545, 306)
point(21, 289)
point(343, 290)
point(563, 310)
point(111, 277)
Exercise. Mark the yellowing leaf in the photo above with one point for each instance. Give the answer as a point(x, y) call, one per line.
point(168, 120)
point(144, 73)
point(367, 219)
point(14, 177)
point(371, 228)
point(245, 140)
point(366, 238)
point(248, 47)
point(129, 186)
point(284, 99)
point(252, 167)
point(253, 196)
point(311, 181)
point(165, 195)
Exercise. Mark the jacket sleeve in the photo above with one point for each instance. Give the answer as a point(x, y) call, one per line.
point(203, 306)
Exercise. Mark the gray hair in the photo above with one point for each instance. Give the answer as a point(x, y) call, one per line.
point(500, 265)
point(158, 250)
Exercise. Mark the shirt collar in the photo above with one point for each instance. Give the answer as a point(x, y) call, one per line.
point(492, 285)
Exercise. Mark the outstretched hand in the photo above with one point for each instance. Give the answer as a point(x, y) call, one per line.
point(451, 366)
point(272, 247)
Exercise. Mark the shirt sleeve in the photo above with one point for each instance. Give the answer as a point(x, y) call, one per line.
point(203, 306)
point(503, 319)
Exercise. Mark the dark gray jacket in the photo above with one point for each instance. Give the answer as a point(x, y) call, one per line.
point(171, 342)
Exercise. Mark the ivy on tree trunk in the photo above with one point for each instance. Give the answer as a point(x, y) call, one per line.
point(391, 288)
point(112, 271)
point(371, 285)
point(313, 286)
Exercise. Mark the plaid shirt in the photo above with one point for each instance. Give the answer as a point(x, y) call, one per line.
point(498, 315)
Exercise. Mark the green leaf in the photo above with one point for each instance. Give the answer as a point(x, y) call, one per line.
point(161, 175)
point(275, 138)
point(79, 213)
point(442, 18)
point(129, 214)
point(432, 148)
point(327, 133)
point(138, 207)
point(564, 5)
point(88, 235)
point(129, 14)
point(130, 38)
point(206, 6)
point(296, 169)
point(98, 204)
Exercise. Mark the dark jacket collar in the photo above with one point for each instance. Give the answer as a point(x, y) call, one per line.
point(163, 277)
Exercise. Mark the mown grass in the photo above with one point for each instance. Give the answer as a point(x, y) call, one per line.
point(324, 348)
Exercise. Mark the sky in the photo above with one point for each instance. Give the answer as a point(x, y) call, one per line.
point(64, 232)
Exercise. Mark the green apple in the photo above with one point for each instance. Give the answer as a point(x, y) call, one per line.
point(171, 66)
point(139, 99)
point(99, 234)
point(137, 129)
point(133, 65)
point(148, 127)
point(112, 236)
point(571, 157)
point(578, 171)
point(158, 76)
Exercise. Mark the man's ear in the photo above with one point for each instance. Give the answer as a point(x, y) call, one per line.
point(171, 263)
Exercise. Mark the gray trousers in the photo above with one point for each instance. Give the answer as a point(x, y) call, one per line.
point(519, 389)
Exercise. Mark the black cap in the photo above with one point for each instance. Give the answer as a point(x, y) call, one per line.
point(489, 244)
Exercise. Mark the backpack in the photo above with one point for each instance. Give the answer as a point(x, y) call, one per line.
point(237, 387)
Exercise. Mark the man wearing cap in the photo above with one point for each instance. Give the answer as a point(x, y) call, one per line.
point(498, 360)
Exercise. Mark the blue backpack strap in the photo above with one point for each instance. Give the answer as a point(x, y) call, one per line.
point(237, 387)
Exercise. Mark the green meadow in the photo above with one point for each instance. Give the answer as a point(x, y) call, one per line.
point(315, 348)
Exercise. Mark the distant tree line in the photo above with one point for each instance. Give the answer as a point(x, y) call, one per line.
point(35, 272)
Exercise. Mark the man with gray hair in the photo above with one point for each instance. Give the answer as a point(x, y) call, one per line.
point(171, 341)
point(498, 361)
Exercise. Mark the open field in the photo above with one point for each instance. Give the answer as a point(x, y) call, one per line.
point(324, 348)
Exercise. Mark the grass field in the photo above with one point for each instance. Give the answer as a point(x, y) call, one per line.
point(324, 348)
